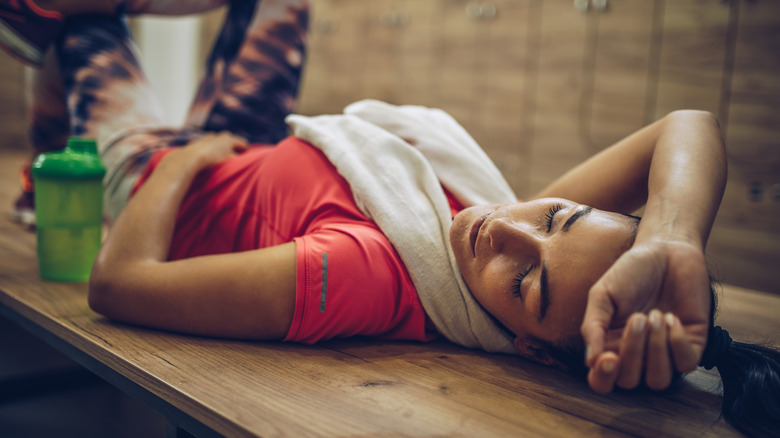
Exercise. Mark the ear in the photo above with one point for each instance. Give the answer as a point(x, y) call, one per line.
point(536, 351)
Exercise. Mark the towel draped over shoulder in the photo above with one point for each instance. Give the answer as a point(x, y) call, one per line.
point(396, 160)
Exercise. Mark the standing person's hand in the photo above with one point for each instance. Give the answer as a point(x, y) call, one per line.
point(648, 316)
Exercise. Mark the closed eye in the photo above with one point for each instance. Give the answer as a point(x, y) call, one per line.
point(517, 283)
point(551, 215)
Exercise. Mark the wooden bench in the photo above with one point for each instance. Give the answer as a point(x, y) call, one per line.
point(210, 387)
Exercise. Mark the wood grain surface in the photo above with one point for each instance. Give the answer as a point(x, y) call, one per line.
point(357, 386)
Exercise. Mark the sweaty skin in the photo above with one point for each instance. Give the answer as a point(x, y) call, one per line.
point(505, 251)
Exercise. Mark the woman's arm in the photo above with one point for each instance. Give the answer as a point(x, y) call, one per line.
point(242, 295)
point(677, 168)
point(679, 158)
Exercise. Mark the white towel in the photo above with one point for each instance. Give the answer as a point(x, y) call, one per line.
point(398, 186)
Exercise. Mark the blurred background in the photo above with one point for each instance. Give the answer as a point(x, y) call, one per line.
point(540, 84)
point(543, 84)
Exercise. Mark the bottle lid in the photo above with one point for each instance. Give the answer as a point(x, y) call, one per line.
point(79, 160)
point(82, 145)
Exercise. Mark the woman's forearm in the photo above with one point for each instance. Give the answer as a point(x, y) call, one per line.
point(686, 179)
point(648, 315)
point(132, 280)
point(144, 230)
point(677, 162)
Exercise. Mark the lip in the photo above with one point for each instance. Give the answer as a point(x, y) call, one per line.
point(474, 233)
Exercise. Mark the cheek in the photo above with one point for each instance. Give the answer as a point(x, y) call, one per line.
point(458, 223)
point(580, 271)
point(569, 307)
point(457, 239)
point(492, 286)
point(592, 253)
point(456, 229)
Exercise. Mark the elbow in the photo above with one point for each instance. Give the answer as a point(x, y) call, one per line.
point(116, 288)
point(703, 125)
point(695, 116)
point(99, 287)
point(103, 286)
point(701, 130)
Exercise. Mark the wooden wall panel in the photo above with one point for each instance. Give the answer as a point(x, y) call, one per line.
point(503, 107)
point(337, 56)
point(693, 52)
point(416, 60)
point(746, 235)
point(400, 62)
point(615, 97)
point(314, 93)
point(383, 30)
point(561, 57)
point(458, 59)
point(753, 122)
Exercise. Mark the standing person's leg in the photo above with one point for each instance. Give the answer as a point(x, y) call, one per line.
point(48, 119)
point(109, 98)
point(28, 27)
point(251, 86)
point(106, 90)
point(48, 116)
point(169, 7)
point(254, 70)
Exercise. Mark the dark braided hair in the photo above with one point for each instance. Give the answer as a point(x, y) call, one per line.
point(751, 383)
point(750, 374)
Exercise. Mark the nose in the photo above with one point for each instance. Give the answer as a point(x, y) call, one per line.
point(516, 237)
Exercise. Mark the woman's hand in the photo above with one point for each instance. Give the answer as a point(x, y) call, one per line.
point(676, 168)
point(144, 229)
point(647, 316)
point(211, 149)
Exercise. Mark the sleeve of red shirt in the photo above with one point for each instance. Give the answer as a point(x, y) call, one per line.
point(350, 283)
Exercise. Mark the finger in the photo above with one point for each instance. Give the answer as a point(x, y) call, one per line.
point(683, 352)
point(231, 143)
point(224, 134)
point(659, 366)
point(240, 144)
point(598, 314)
point(604, 373)
point(235, 137)
point(632, 351)
point(240, 147)
point(240, 140)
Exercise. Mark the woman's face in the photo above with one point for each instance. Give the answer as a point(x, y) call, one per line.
point(531, 264)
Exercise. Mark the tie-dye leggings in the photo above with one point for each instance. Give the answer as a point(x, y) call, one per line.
point(100, 91)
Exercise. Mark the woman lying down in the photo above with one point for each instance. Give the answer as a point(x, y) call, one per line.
point(391, 222)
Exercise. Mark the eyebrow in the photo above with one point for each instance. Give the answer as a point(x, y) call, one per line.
point(573, 218)
point(544, 295)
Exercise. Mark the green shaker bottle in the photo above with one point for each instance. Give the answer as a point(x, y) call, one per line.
point(68, 210)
